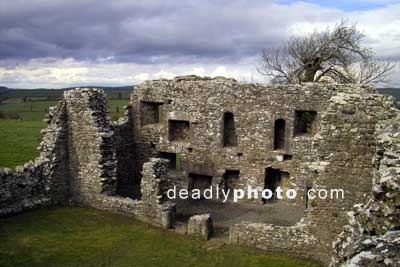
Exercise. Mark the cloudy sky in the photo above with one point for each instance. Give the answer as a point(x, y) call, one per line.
point(59, 43)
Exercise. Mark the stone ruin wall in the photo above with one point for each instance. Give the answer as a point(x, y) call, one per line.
point(40, 182)
point(153, 207)
point(78, 164)
point(337, 155)
point(371, 236)
point(100, 157)
point(344, 147)
point(92, 164)
point(87, 160)
point(203, 102)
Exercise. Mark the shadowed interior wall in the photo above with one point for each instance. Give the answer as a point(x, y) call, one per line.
point(279, 134)
point(230, 138)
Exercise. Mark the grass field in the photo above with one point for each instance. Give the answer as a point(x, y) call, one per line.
point(18, 141)
point(55, 237)
point(111, 92)
point(36, 110)
point(20, 137)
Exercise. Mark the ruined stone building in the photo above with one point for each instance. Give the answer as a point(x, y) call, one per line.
point(193, 132)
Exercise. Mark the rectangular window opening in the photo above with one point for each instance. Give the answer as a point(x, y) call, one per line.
point(273, 179)
point(150, 112)
point(199, 181)
point(172, 159)
point(179, 130)
point(304, 122)
point(231, 179)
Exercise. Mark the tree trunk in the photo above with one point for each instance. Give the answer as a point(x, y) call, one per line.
point(309, 75)
point(310, 69)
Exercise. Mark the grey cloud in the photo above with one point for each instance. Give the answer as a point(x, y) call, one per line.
point(141, 31)
point(156, 31)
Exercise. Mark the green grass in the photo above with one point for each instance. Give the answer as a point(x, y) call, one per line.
point(20, 138)
point(18, 141)
point(87, 237)
point(116, 107)
point(37, 110)
point(111, 92)
point(29, 111)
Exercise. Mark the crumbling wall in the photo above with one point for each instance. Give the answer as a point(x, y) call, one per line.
point(333, 151)
point(345, 147)
point(154, 207)
point(202, 102)
point(77, 157)
point(294, 240)
point(43, 181)
point(340, 158)
point(154, 186)
point(83, 158)
point(100, 157)
point(91, 151)
point(372, 236)
point(200, 226)
point(87, 159)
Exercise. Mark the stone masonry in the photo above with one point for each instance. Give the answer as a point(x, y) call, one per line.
point(200, 226)
point(154, 207)
point(78, 164)
point(92, 164)
point(203, 102)
point(194, 132)
point(41, 182)
point(372, 235)
point(334, 151)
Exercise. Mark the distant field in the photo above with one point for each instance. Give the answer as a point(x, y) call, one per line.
point(20, 125)
point(55, 237)
point(18, 141)
point(36, 110)
point(51, 94)
point(116, 108)
point(395, 92)
point(28, 111)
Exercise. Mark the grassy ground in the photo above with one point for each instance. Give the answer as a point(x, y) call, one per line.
point(56, 237)
point(27, 111)
point(116, 107)
point(7, 94)
point(36, 110)
point(19, 138)
point(18, 141)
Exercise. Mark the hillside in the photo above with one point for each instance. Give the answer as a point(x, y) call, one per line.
point(395, 92)
point(121, 92)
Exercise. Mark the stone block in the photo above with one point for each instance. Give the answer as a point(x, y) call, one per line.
point(201, 226)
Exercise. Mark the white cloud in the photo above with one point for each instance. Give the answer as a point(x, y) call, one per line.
point(381, 27)
point(52, 73)
point(226, 43)
point(221, 71)
point(164, 74)
point(141, 77)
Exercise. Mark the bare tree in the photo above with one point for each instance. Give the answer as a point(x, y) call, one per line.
point(372, 71)
point(335, 55)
